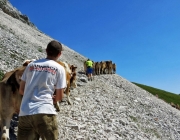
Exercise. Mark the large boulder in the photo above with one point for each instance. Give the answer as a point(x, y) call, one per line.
point(7, 8)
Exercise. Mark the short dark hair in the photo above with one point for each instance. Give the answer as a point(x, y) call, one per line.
point(54, 48)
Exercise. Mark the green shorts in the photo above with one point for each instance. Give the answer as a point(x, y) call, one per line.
point(32, 127)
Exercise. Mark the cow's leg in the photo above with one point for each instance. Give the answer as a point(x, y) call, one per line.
point(69, 100)
point(74, 84)
point(102, 71)
point(56, 105)
point(68, 94)
point(5, 128)
point(5, 134)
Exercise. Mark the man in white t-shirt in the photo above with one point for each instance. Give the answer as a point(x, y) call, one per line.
point(37, 117)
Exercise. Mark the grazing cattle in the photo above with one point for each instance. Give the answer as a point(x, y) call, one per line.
point(103, 67)
point(97, 68)
point(73, 76)
point(10, 99)
point(109, 67)
point(114, 68)
point(93, 67)
point(68, 77)
point(70, 80)
point(85, 68)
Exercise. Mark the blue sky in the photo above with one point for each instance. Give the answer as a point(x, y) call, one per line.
point(142, 37)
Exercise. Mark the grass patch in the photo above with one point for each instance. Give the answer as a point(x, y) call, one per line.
point(134, 119)
point(153, 131)
point(3, 26)
point(13, 55)
point(162, 94)
point(40, 50)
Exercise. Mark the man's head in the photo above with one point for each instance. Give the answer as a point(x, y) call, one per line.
point(54, 48)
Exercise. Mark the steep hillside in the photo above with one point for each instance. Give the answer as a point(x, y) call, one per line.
point(108, 108)
point(18, 42)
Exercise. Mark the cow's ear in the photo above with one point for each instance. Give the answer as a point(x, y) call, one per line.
point(26, 63)
point(11, 79)
point(72, 67)
point(8, 76)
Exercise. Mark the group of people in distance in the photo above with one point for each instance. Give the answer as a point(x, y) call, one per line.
point(96, 68)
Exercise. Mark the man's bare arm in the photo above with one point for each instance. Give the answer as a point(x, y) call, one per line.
point(59, 94)
point(21, 88)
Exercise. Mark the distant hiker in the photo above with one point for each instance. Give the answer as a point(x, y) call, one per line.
point(89, 65)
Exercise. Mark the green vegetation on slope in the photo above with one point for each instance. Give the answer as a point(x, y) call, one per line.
point(166, 96)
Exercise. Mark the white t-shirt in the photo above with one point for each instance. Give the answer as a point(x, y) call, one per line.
point(42, 77)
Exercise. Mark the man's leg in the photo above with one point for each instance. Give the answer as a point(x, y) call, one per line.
point(91, 71)
point(88, 73)
point(91, 76)
point(25, 129)
point(88, 77)
point(46, 126)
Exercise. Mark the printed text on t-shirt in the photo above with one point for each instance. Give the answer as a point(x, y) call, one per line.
point(40, 68)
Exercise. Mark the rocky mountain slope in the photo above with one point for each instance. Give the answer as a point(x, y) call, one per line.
point(107, 108)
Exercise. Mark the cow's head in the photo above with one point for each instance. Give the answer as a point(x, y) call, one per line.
point(73, 68)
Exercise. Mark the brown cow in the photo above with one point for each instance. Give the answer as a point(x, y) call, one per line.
point(93, 67)
point(70, 81)
point(10, 99)
point(109, 67)
point(97, 68)
point(114, 68)
point(68, 77)
point(73, 76)
point(103, 67)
